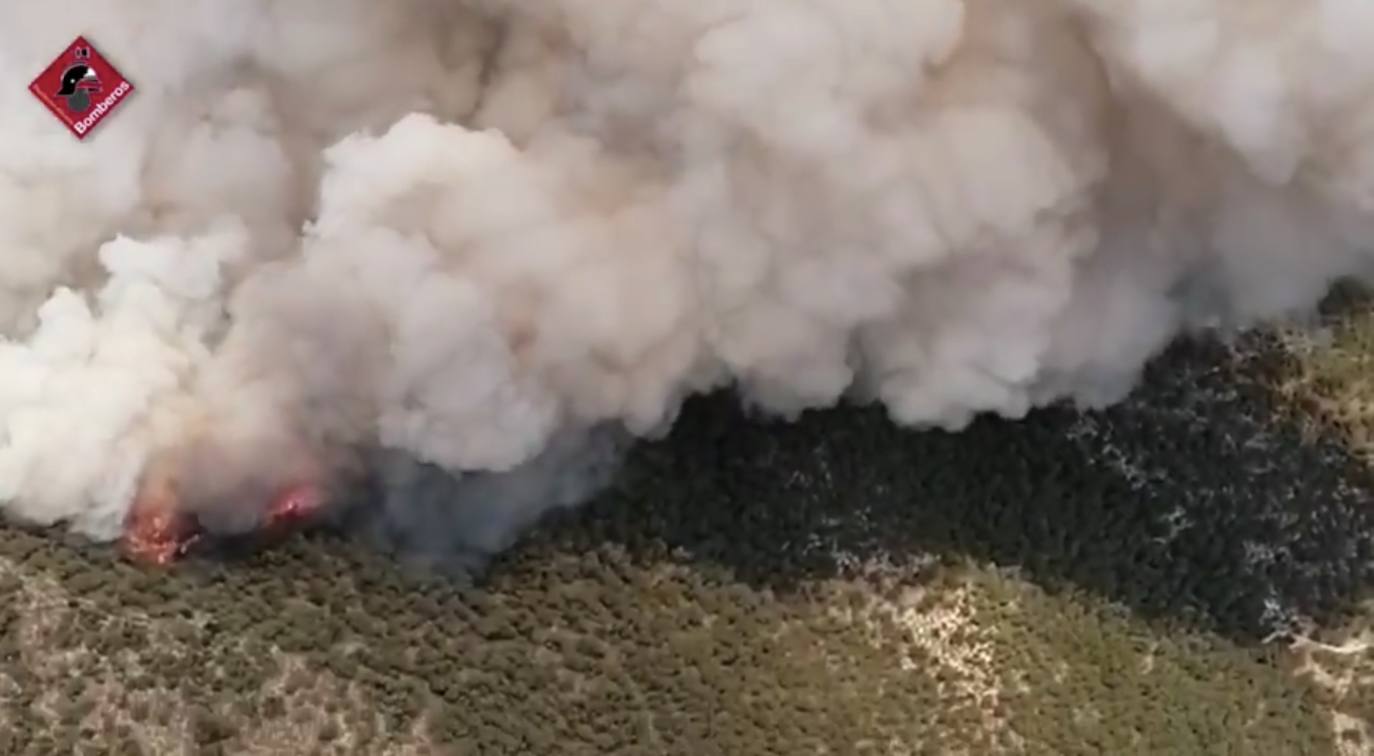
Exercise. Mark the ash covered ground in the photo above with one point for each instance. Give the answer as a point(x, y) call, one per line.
point(1071, 583)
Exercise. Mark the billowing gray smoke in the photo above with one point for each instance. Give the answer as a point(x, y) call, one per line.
point(460, 229)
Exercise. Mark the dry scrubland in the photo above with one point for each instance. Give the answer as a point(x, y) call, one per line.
point(1069, 584)
point(1328, 386)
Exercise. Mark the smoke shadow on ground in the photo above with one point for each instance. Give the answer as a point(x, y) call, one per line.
point(455, 523)
point(1193, 500)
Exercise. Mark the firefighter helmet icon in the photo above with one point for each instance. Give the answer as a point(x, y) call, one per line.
point(79, 81)
point(80, 87)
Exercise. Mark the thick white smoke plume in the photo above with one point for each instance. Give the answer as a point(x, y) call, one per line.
point(457, 229)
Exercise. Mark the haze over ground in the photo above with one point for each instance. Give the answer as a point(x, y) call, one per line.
point(462, 229)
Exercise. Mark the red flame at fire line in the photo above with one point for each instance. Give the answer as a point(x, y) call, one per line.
point(157, 532)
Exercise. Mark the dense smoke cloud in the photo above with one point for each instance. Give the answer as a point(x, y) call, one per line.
point(461, 229)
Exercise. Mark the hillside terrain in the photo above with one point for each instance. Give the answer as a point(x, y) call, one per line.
point(1181, 573)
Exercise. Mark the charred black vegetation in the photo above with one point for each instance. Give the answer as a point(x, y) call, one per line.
point(724, 596)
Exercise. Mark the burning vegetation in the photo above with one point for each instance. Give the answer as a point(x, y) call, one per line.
point(725, 575)
point(457, 230)
point(161, 530)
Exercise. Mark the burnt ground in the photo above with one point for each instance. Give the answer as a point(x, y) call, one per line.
point(1191, 501)
point(1070, 583)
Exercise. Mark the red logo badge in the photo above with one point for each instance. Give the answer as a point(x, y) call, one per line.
point(81, 88)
